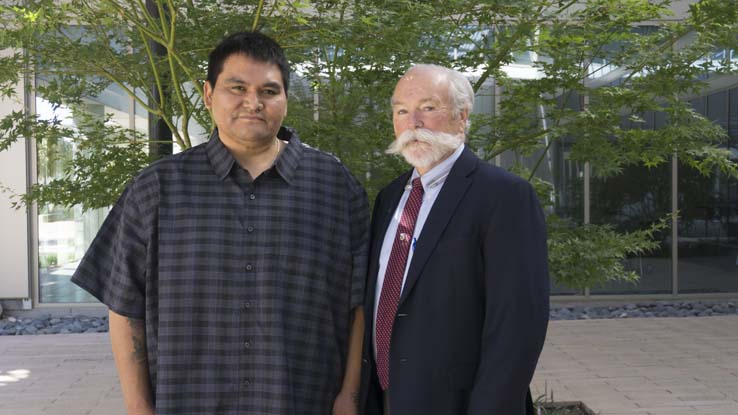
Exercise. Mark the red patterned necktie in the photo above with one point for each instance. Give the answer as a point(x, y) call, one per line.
point(390, 296)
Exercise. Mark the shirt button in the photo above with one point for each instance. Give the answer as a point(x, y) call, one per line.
point(250, 229)
point(249, 267)
point(247, 304)
point(252, 196)
point(247, 344)
point(245, 383)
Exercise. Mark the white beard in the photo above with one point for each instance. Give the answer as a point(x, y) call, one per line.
point(424, 148)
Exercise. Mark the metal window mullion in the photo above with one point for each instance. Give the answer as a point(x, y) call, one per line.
point(587, 191)
point(29, 103)
point(674, 223)
point(496, 96)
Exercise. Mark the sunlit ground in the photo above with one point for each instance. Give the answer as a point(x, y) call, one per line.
point(13, 376)
point(58, 374)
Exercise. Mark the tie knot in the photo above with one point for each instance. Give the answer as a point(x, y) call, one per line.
point(417, 183)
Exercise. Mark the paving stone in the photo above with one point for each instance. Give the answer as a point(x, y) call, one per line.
point(645, 366)
point(61, 375)
point(655, 366)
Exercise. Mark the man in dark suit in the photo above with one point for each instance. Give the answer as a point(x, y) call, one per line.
point(458, 281)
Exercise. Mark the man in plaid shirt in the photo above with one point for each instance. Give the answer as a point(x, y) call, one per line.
point(234, 271)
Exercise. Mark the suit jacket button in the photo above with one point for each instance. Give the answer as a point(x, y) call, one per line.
point(403, 360)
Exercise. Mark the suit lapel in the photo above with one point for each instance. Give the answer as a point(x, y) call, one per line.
point(452, 192)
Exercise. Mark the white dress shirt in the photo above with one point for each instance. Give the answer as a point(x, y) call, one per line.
point(432, 181)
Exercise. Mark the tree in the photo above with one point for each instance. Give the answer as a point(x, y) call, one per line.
point(349, 54)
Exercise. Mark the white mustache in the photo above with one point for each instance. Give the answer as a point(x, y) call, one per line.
point(433, 138)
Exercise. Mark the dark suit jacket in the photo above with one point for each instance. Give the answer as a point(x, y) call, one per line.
point(473, 313)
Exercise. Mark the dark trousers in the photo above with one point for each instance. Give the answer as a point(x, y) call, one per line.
point(529, 409)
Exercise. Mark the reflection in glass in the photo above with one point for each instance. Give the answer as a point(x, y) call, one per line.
point(568, 180)
point(708, 233)
point(630, 201)
point(708, 210)
point(64, 233)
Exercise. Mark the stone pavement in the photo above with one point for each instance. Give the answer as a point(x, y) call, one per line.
point(656, 366)
point(60, 374)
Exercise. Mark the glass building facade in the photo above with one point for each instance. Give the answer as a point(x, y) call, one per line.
point(705, 259)
point(64, 233)
point(708, 207)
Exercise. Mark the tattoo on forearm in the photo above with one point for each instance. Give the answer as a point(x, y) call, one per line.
point(139, 341)
point(139, 350)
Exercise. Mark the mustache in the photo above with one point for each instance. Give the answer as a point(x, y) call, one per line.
point(433, 138)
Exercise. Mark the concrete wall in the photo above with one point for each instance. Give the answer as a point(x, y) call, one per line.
point(14, 237)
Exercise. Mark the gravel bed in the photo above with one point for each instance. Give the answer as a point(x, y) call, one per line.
point(14, 326)
point(643, 310)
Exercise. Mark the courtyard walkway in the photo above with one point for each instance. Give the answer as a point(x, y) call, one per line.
point(654, 366)
point(657, 366)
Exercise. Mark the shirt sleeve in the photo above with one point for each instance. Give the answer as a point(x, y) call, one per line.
point(359, 234)
point(114, 267)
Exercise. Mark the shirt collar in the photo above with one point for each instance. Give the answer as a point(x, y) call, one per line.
point(288, 162)
point(223, 162)
point(438, 173)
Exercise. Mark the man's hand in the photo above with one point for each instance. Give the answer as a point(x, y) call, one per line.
point(346, 403)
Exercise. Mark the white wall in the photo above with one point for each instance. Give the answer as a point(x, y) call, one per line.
point(14, 272)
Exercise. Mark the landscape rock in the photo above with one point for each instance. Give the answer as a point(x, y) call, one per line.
point(46, 324)
point(643, 310)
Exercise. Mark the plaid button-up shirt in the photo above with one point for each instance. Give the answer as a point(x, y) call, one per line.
point(246, 286)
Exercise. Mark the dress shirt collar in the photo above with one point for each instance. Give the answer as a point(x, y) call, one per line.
point(223, 162)
point(437, 175)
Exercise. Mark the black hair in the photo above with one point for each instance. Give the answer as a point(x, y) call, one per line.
point(255, 45)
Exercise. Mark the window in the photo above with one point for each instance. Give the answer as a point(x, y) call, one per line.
point(64, 233)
